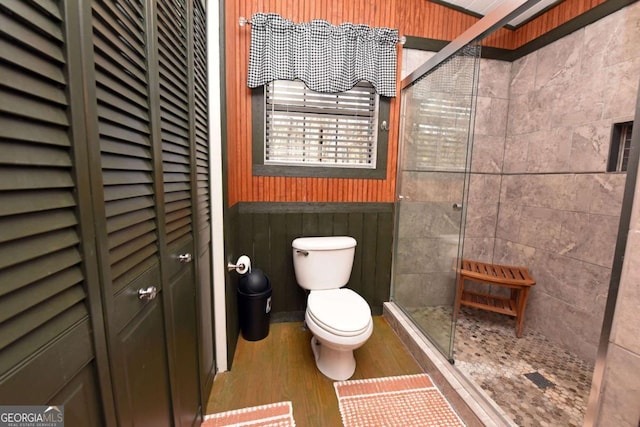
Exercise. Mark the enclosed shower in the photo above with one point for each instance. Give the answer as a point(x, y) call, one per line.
point(504, 162)
point(438, 186)
point(433, 181)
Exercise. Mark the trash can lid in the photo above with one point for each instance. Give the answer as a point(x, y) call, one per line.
point(254, 282)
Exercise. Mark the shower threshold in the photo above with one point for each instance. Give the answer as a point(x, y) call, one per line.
point(474, 404)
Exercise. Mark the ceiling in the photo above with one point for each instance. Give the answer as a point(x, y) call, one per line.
point(482, 7)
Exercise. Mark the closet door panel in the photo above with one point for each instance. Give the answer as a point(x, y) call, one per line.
point(127, 223)
point(177, 152)
point(104, 194)
point(46, 343)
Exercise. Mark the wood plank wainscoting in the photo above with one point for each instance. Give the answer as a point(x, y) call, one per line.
point(264, 232)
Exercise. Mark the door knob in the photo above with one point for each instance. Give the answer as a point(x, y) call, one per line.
point(150, 293)
point(457, 206)
point(185, 258)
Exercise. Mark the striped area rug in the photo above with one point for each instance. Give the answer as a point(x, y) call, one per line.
point(408, 400)
point(273, 415)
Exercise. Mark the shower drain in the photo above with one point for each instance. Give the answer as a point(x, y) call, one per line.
point(538, 379)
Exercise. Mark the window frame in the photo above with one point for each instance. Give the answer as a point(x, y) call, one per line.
point(259, 168)
point(617, 146)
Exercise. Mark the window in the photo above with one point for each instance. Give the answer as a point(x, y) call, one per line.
point(304, 127)
point(438, 139)
point(620, 147)
point(307, 133)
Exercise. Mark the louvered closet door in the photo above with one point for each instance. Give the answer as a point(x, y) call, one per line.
point(45, 331)
point(132, 254)
point(102, 122)
point(171, 16)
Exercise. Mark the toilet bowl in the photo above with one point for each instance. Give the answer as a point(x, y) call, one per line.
point(339, 319)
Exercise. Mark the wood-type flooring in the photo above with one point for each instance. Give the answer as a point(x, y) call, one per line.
point(281, 368)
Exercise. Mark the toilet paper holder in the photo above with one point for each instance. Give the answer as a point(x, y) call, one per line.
point(234, 266)
point(242, 265)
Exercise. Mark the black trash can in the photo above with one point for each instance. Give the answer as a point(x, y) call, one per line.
point(254, 305)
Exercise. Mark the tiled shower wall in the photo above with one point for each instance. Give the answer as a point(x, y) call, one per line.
point(557, 208)
point(486, 165)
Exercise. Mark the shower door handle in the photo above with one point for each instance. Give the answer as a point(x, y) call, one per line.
point(457, 207)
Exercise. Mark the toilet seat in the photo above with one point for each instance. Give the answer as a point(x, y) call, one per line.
point(341, 312)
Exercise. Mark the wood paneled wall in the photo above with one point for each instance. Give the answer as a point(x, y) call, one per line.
point(268, 230)
point(419, 18)
point(264, 232)
point(554, 17)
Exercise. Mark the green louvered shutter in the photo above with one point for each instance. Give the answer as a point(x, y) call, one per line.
point(125, 142)
point(201, 126)
point(102, 123)
point(43, 291)
point(177, 153)
point(127, 211)
point(174, 120)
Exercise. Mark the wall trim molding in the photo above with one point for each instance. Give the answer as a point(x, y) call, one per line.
point(313, 207)
point(488, 52)
point(575, 24)
point(480, 16)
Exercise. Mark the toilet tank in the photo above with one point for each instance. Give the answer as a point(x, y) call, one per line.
point(323, 262)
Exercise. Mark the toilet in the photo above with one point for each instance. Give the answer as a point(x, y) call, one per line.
point(339, 319)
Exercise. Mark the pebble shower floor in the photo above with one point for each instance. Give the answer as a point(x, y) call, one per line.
point(534, 381)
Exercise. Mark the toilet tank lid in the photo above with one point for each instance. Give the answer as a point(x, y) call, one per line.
point(327, 243)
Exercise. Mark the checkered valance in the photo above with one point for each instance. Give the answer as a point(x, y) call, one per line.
point(325, 57)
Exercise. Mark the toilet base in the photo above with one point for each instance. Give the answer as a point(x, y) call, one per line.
point(339, 365)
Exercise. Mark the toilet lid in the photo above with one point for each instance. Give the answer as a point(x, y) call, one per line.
point(339, 311)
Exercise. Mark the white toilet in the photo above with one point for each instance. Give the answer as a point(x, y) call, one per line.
point(339, 319)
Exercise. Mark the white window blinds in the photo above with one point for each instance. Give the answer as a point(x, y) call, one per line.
point(438, 135)
point(310, 128)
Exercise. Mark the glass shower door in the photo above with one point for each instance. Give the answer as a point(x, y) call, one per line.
point(438, 113)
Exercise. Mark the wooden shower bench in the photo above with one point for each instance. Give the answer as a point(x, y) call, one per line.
point(517, 279)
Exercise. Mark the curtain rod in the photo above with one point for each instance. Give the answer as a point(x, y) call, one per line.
point(242, 21)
